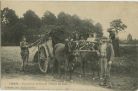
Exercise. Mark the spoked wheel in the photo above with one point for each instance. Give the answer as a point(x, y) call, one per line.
point(43, 60)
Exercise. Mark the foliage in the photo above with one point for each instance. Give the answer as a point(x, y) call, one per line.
point(8, 17)
point(117, 25)
point(98, 29)
point(12, 27)
point(128, 61)
point(31, 20)
point(49, 18)
point(31, 25)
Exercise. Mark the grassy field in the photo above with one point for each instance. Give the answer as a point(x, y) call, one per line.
point(121, 78)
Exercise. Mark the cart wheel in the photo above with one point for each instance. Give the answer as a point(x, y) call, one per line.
point(43, 60)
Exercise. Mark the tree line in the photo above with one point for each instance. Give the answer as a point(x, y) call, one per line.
point(31, 25)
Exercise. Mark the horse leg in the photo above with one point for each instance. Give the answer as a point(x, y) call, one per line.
point(52, 66)
point(26, 62)
point(70, 75)
point(83, 67)
point(70, 72)
point(23, 65)
point(98, 72)
point(59, 70)
point(27, 59)
point(55, 68)
point(93, 75)
point(67, 69)
point(95, 71)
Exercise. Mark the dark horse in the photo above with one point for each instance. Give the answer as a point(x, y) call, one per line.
point(89, 59)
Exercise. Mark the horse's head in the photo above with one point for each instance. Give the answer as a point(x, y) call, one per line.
point(69, 45)
point(71, 49)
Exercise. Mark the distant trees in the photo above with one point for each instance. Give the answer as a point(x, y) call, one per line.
point(31, 20)
point(9, 21)
point(31, 25)
point(117, 25)
point(8, 17)
point(49, 18)
point(49, 21)
point(99, 29)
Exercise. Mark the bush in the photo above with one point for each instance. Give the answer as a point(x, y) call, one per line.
point(127, 62)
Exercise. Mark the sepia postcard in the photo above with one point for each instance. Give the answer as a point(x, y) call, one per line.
point(69, 45)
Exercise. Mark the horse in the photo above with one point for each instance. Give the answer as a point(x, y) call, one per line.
point(63, 55)
point(89, 59)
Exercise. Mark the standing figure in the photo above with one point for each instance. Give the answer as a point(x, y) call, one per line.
point(24, 52)
point(82, 43)
point(91, 37)
point(107, 55)
point(115, 42)
point(76, 36)
point(91, 41)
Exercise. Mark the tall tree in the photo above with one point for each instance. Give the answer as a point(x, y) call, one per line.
point(8, 16)
point(99, 29)
point(8, 20)
point(49, 18)
point(116, 26)
point(49, 21)
point(31, 20)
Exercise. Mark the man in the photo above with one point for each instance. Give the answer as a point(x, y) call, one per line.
point(82, 42)
point(91, 40)
point(107, 54)
point(82, 39)
point(24, 52)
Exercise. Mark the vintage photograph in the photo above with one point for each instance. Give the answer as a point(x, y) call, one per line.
point(69, 45)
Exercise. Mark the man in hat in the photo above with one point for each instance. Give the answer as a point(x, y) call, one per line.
point(107, 54)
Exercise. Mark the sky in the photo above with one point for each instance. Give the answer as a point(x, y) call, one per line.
point(102, 12)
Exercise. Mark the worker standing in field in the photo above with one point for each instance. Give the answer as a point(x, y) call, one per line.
point(24, 52)
point(107, 55)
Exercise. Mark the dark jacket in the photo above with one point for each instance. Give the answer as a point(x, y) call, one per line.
point(109, 52)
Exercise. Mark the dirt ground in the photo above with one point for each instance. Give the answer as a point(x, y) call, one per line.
point(13, 78)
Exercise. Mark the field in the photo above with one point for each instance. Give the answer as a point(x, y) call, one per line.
point(13, 78)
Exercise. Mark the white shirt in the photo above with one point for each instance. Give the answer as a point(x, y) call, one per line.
point(103, 49)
